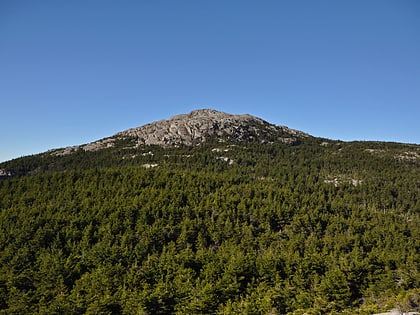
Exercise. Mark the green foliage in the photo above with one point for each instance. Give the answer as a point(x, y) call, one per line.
point(310, 228)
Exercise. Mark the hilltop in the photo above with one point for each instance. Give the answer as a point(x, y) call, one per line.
point(195, 128)
point(203, 127)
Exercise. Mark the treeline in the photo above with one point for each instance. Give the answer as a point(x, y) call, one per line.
point(265, 234)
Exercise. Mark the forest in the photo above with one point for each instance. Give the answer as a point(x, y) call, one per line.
point(319, 227)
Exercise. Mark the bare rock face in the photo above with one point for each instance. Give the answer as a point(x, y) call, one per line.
point(201, 125)
point(198, 127)
point(5, 173)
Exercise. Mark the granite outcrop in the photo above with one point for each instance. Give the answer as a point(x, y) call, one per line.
point(195, 128)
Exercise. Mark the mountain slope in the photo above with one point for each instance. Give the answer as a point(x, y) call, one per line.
point(233, 220)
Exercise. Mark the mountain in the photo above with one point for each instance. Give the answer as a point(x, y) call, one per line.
point(211, 213)
point(196, 128)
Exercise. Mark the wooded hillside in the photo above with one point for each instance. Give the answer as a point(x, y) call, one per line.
point(323, 227)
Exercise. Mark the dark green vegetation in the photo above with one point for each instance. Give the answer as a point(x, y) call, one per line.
point(321, 228)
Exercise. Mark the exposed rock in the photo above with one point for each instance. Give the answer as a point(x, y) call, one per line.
point(5, 173)
point(101, 144)
point(225, 159)
point(219, 150)
point(200, 125)
point(375, 151)
point(150, 165)
point(65, 151)
point(196, 128)
point(342, 179)
point(411, 156)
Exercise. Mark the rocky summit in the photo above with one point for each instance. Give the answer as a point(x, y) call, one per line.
point(198, 127)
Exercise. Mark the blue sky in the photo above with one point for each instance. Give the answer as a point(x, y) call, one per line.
point(72, 72)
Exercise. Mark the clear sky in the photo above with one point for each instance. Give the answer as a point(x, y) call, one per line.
point(72, 72)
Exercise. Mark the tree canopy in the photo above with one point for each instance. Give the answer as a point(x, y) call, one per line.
point(221, 228)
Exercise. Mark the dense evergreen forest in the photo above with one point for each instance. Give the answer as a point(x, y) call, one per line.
point(319, 227)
